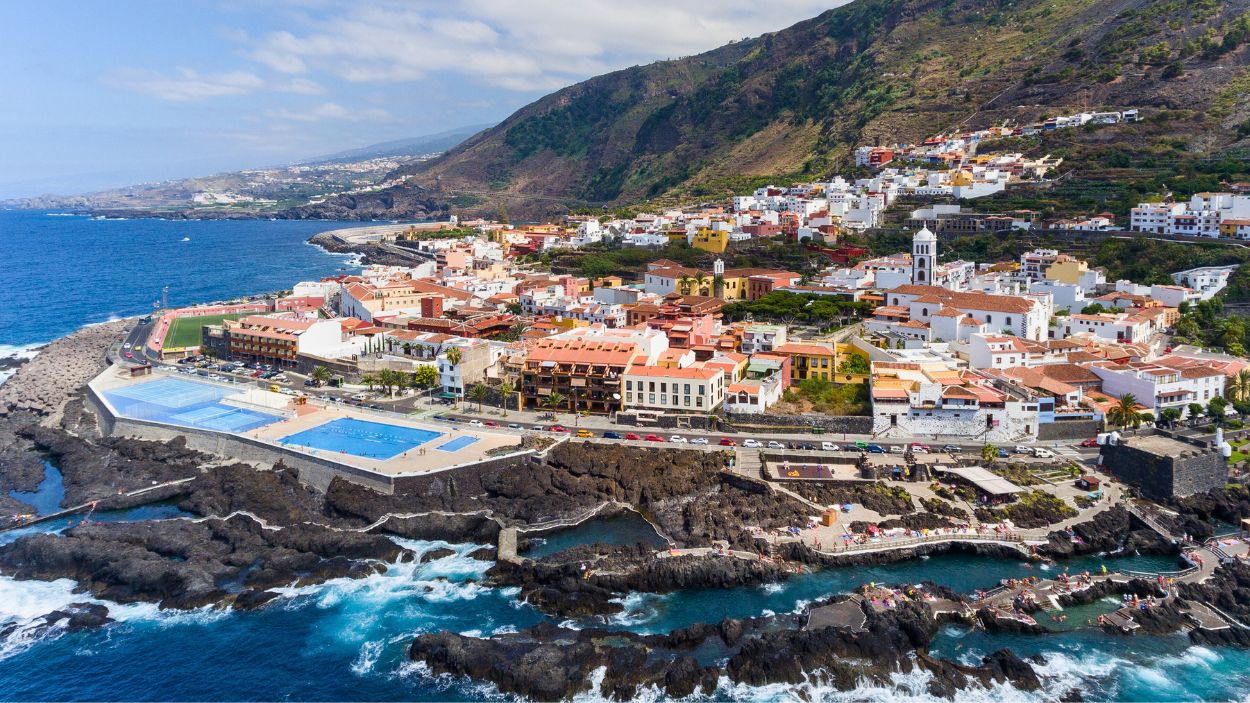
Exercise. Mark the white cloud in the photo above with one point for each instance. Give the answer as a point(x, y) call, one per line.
point(302, 86)
point(522, 46)
point(187, 84)
point(331, 111)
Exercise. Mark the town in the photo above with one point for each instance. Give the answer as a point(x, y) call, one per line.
point(482, 324)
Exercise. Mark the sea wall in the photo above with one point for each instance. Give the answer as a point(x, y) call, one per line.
point(835, 424)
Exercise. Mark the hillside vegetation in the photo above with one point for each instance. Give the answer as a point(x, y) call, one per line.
point(793, 103)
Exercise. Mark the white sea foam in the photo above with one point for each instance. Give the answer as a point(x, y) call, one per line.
point(773, 587)
point(368, 657)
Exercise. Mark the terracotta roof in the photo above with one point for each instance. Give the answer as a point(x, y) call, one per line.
point(692, 372)
point(967, 301)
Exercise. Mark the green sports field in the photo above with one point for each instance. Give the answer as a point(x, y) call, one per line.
point(185, 331)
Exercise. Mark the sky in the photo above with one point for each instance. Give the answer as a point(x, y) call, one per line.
point(106, 94)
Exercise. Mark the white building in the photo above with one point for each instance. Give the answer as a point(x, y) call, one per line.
point(1205, 281)
point(693, 389)
point(1159, 387)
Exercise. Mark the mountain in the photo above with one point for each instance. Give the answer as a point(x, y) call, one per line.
point(415, 146)
point(794, 102)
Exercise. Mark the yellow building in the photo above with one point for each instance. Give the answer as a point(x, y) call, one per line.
point(713, 240)
point(820, 360)
point(1066, 269)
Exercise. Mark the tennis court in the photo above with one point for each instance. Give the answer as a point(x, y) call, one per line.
point(186, 403)
point(372, 440)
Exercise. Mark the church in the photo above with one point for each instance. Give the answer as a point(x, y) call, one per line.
point(926, 271)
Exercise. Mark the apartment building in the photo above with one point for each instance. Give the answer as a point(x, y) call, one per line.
point(1158, 387)
point(692, 389)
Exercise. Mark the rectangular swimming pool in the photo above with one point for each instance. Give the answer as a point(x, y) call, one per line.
point(188, 403)
point(371, 440)
point(455, 445)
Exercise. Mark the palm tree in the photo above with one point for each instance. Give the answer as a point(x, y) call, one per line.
point(478, 393)
point(554, 402)
point(989, 453)
point(369, 380)
point(718, 286)
point(683, 284)
point(1240, 389)
point(702, 280)
point(505, 394)
point(1124, 413)
point(321, 375)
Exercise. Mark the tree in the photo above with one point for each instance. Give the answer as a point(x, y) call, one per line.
point(478, 394)
point(506, 390)
point(703, 280)
point(1124, 414)
point(684, 283)
point(989, 453)
point(1093, 309)
point(554, 402)
point(369, 380)
point(1170, 416)
point(854, 364)
point(1216, 408)
point(1195, 411)
point(321, 375)
point(1239, 388)
point(425, 377)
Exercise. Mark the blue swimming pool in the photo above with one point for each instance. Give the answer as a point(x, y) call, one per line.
point(372, 440)
point(455, 445)
point(188, 403)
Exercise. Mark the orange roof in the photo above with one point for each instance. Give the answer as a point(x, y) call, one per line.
point(805, 348)
point(578, 350)
point(692, 372)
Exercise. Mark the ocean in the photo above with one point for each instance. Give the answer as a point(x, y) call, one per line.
point(347, 639)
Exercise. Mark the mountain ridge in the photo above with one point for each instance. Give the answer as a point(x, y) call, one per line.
point(792, 103)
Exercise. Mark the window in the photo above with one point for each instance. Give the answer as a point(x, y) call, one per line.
point(687, 401)
point(989, 319)
point(687, 389)
point(663, 399)
point(698, 402)
point(629, 385)
point(651, 398)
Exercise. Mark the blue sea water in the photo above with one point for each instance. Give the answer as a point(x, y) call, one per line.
point(66, 272)
point(347, 639)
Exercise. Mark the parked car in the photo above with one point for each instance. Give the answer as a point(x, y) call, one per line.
point(631, 435)
point(1042, 453)
point(475, 423)
point(129, 355)
point(774, 444)
point(875, 449)
point(491, 423)
point(828, 447)
point(753, 444)
point(584, 433)
point(861, 445)
point(1022, 449)
point(677, 439)
point(1091, 442)
point(918, 448)
point(1003, 454)
point(898, 449)
point(611, 435)
point(952, 448)
point(654, 438)
point(513, 426)
point(557, 428)
point(727, 442)
point(699, 440)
